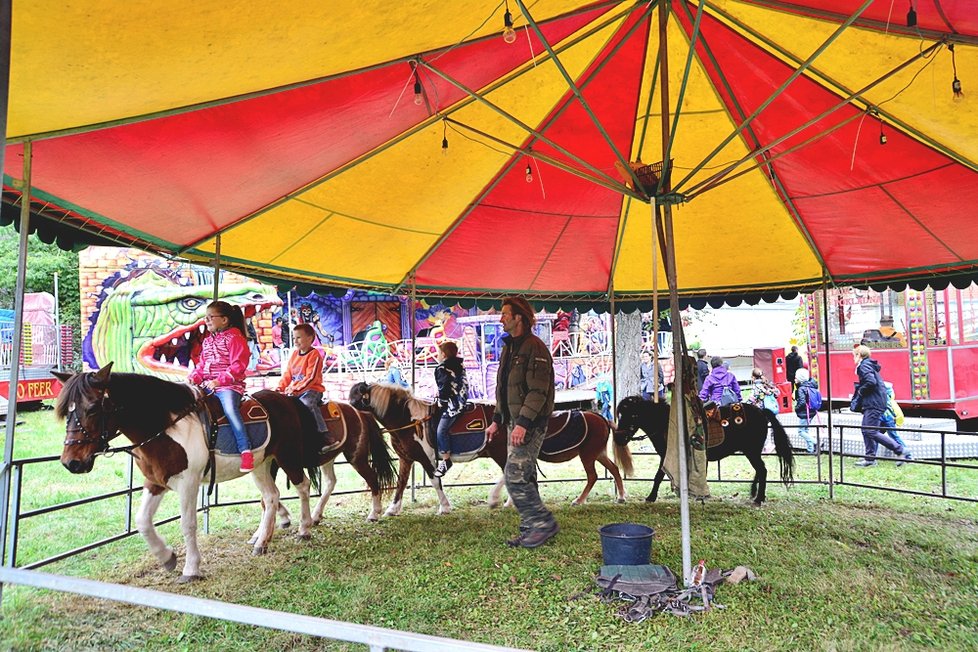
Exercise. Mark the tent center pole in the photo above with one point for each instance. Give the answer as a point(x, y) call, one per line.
point(17, 335)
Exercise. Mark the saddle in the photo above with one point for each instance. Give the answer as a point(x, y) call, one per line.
point(716, 423)
point(253, 414)
point(335, 422)
point(468, 433)
point(565, 430)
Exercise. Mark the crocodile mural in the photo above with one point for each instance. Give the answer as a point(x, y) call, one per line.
point(150, 319)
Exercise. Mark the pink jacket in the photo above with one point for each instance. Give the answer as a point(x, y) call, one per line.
point(224, 359)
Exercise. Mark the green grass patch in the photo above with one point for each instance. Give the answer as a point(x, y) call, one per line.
point(867, 570)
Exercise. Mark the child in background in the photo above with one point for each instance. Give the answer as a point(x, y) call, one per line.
point(303, 379)
point(224, 357)
point(802, 408)
point(892, 415)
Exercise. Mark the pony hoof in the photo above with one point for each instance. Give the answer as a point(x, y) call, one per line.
point(303, 537)
point(316, 521)
point(187, 579)
point(372, 519)
point(171, 563)
point(495, 505)
point(620, 501)
point(285, 526)
point(259, 551)
point(576, 503)
point(252, 540)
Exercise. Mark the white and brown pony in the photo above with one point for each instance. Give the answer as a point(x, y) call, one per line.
point(407, 419)
point(171, 448)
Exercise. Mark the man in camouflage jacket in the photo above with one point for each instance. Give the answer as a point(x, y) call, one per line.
point(524, 402)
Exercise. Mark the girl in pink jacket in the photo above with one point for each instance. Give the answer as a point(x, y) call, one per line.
point(221, 368)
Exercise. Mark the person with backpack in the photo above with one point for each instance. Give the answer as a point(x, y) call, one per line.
point(870, 398)
point(808, 400)
point(892, 415)
point(764, 394)
point(721, 385)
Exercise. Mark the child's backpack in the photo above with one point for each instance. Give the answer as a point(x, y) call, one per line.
point(814, 399)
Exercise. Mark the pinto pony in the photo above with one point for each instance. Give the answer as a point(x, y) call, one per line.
point(748, 437)
point(170, 447)
point(406, 419)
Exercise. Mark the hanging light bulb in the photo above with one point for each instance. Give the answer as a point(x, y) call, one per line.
point(418, 94)
point(956, 84)
point(509, 34)
point(912, 16)
point(882, 135)
point(444, 138)
point(529, 173)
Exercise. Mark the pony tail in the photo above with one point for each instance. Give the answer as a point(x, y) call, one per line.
point(236, 320)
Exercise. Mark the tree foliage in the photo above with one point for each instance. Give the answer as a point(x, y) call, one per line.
point(43, 261)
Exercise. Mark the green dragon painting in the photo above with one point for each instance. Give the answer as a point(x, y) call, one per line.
point(150, 320)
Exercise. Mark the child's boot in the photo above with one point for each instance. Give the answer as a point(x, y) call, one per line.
point(247, 462)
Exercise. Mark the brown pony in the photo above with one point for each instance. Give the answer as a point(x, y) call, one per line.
point(170, 447)
point(406, 419)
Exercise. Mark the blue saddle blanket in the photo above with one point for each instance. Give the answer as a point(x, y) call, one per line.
point(256, 426)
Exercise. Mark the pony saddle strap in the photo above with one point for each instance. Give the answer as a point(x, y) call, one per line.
point(255, 419)
point(565, 430)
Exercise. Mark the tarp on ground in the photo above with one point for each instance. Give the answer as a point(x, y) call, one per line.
point(311, 137)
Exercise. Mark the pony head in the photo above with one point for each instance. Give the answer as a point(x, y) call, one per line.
point(628, 424)
point(86, 406)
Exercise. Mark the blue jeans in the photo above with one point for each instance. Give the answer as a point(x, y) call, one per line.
point(873, 435)
point(442, 436)
point(803, 421)
point(231, 402)
point(889, 427)
point(312, 400)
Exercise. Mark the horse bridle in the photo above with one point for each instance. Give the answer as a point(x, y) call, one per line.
point(101, 438)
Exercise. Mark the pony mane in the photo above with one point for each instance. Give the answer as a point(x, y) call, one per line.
point(383, 396)
point(152, 398)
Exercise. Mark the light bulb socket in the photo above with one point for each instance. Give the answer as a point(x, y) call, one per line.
point(508, 20)
point(912, 17)
point(956, 87)
point(444, 144)
point(882, 138)
point(529, 173)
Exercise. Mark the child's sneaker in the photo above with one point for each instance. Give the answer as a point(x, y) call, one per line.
point(442, 468)
point(247, 462)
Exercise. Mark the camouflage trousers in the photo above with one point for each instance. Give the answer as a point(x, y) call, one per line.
point(521, 480)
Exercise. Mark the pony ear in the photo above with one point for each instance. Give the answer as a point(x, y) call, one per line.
point(62, 376)
point(102, 375)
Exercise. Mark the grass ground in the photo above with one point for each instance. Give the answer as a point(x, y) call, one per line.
point(867, 570)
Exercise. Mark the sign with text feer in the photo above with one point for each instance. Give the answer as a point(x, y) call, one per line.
point(35, 389)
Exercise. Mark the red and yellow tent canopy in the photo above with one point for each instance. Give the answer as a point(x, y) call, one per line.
point(377, 145)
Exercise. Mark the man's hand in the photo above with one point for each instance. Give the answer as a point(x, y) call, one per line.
point(519, 434)
point(492, 430)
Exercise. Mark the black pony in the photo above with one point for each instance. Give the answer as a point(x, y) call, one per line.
point(748, 437)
